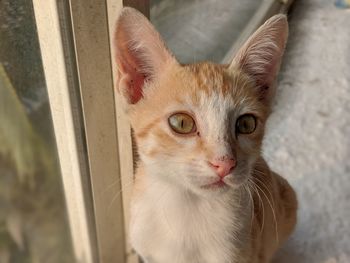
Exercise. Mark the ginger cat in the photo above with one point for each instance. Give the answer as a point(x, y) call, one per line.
point(202, 193)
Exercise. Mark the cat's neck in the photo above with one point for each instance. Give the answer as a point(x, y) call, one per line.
point(213, 221)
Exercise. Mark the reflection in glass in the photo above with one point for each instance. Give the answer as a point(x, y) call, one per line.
point(33, 219)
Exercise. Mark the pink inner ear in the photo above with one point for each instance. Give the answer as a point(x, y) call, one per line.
point(260, 57)
point(131, 80)
point(136, 83)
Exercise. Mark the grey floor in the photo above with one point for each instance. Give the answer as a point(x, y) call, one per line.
point(207, 28)
point(308, 137)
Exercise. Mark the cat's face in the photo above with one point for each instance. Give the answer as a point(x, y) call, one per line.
point(197, 126)
point(190, 119)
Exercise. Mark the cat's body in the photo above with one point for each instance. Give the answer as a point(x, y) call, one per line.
point(178, 226)
point(203, 193)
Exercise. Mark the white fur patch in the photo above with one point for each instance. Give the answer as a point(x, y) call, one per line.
point(172, 221)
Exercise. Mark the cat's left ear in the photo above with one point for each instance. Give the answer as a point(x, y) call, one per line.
point(260, 57)
point(140, 54)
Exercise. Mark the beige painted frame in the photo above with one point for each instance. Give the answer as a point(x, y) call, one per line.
point(92, 51)
point(66, 115)
point(123, 128)
point(95, 153)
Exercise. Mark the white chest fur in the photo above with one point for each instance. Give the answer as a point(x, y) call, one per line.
point(170, 225)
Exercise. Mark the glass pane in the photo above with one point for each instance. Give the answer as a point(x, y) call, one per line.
point(197, 30)
point(33, 216)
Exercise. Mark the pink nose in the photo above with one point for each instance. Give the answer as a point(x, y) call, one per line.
point(223, 167)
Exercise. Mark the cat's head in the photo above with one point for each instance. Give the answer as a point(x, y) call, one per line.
point(198, 126)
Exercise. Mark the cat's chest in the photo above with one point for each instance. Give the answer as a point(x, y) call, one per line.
point(180, 228)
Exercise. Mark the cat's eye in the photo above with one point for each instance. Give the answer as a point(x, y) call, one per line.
point(182, 123)
point(246, 124)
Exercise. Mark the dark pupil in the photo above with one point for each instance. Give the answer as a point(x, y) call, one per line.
point(182, 123)
point(246, 124)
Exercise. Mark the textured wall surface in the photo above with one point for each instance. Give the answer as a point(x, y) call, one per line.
point(309, 132)
point(197, 30)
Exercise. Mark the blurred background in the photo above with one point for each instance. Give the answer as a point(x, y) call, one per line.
point(308, 135)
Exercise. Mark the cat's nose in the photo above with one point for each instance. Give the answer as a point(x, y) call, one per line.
point(223, 166)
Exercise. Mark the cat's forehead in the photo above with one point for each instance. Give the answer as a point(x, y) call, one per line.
point(208, 78)
point(204, 83)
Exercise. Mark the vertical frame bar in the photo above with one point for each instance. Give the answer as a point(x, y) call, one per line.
point(124, 130)
point(66, 115)
point(92, 49)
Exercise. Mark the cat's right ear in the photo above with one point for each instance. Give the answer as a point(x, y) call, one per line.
point(140, 54)
point(260, 57)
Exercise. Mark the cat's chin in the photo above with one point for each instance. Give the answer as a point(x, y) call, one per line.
point(215, 186)
point(228, 184)
point(209, 191)
point(218, 187)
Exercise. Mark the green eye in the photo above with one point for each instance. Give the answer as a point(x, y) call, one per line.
point(246, 124)
point(182, 123)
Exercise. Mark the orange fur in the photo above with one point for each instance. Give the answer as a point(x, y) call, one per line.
point(257, 210)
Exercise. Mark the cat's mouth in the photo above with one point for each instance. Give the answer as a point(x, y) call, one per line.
point(216, 185)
